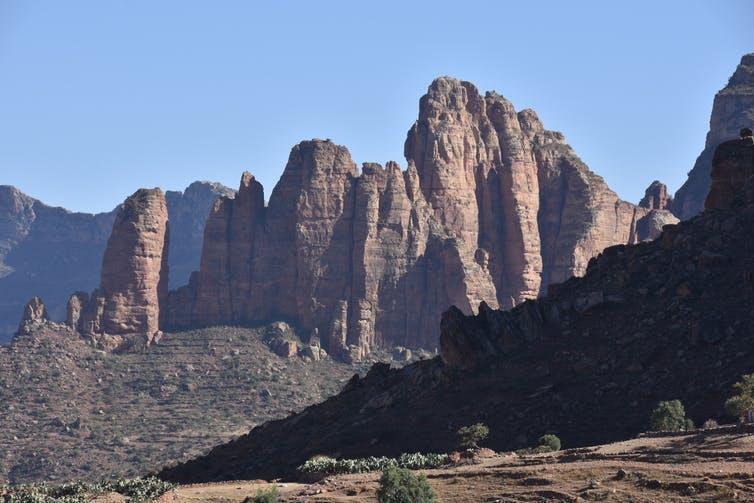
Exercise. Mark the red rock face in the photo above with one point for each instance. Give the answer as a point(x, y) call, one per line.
point(492, 207)
point(655, 197)
point(133, 287)
point(732, 110)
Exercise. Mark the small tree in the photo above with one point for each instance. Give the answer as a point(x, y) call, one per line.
point(264, 496)
point(744, 399)
point(668, 416)
point(549, 442)
point(688, 424)
point(470, 436)
point(399, 485)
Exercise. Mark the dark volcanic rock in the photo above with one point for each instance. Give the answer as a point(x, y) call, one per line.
point(732, 110)
point(670, 318)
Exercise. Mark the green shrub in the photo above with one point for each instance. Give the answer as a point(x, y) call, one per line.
point(470, 436)
point(136, 490)
point(264, 496)
point(744, 399)
point(688, 424)
point(668, 416)
point(399, 485)
point(549, 442)
point(710, 423)
point(332, 466)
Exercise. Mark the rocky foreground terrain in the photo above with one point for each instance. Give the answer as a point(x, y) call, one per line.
point(660, 320)
point(71, 412)
point(713, 465)
point(51, 252)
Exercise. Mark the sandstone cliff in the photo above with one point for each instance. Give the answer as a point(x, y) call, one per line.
point(134, 282)
point(492, 207)
point(670, 318)
point(51, 252)
point(732, 110)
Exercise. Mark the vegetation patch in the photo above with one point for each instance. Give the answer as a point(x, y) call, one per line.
point(399, 485)
point(136, 490)
point(331, 466)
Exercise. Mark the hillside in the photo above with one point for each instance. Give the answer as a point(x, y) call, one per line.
point(72, 412)
point(670, 318)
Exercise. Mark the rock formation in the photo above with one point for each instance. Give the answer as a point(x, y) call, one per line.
point(133, 286)
point(732, 166)
point(670, 318)
point(656, 197)
point(35, 314)
point(492, 207)
point(51, 252)
point(732, 110)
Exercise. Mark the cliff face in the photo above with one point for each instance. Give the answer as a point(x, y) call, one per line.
point(670, 318)
point(133, 286)
point(492, 207)
point(51, 252)
point(732, 110)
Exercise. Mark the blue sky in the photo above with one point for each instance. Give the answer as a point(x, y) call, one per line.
point(99, 98)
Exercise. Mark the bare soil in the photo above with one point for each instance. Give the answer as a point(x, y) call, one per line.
point(715, 465)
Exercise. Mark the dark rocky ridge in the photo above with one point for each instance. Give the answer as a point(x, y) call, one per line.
point(50, 252)
point(670, 318)
point(732, 110)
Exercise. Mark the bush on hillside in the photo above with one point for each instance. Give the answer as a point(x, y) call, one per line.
point(550, 442)
point(399, 485)
point(470, 436)
point(668, 416)
point(264, 496)
point(744, 399)
point(710, 423)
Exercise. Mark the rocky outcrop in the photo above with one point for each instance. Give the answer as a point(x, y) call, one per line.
point(732, 166)
point(732, 110)
point(656, 197)
point(492, 207)
point(188, 212)
point(670, 318)
point(35, 314)
point(133, 287)
point(51, 252)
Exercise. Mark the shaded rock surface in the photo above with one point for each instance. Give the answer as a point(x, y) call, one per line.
point(491, 207)
point(670, 318)
point(35, 314)
point(732, 110)
point(51, 252)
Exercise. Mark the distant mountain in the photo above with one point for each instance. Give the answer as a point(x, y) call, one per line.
point(51, 252)
point(732, 110)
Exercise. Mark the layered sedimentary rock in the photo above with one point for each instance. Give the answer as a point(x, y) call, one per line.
point(51, 252)
point(656, 197)
point(134, 283)
point(732, 110)
point(492, 207)
point(670, 318)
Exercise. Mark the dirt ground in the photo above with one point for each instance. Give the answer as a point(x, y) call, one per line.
point(717, 465)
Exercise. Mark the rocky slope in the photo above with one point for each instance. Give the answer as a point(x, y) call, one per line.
point(492, 207)
point(670, 318)
point(51, 252)
point(72, 412)
point(732, 110)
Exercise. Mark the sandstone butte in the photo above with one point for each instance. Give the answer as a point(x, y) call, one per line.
point(492, 207)
point(732, 110)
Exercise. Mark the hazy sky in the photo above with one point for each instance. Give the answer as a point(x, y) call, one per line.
point(100, 98)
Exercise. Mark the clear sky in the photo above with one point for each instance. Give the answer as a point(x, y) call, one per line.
point(101, 97)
